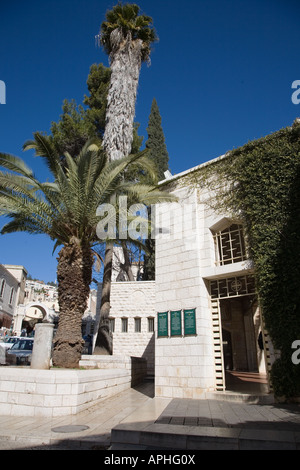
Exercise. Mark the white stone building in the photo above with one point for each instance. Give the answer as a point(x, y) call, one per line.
point(12, 288)
point(200, 319)
point(40, 304)
point(208, 319)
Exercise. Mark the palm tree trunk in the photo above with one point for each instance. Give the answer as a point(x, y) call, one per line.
point(74, 275)
point(125, 64)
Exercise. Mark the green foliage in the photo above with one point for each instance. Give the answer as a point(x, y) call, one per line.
point(159, 155)
point(98, 84)
point(262, 181)
point(78, 124)
point(156, 141)
point(73, 129)
point(126, 19)
point(66, 208)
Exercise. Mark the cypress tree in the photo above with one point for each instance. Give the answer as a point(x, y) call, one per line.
point(158, 152)
point(156, 141)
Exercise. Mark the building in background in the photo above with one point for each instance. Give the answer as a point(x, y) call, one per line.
point(40, 304)
point(12, 292)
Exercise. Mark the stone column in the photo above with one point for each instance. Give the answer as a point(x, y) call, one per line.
point(41, 353)
point(18, 319)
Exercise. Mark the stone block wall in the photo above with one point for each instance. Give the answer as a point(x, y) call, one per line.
point(184, 366)
point(186, 262)
point(133, 300)
point(136, 366)
point(57, 392)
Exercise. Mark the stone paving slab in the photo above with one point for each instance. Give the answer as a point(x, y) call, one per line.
point(213, 425)
point(218, 413)
point(158, 436)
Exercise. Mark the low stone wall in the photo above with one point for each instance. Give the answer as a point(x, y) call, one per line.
point(135, 366)
point(57, 392)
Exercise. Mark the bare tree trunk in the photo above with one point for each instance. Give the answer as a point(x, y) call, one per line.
point(74, 275)
point(104, 339)
point(126, 266)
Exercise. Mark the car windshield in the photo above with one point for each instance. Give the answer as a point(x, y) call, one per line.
point(23, 344)
point(10, 339)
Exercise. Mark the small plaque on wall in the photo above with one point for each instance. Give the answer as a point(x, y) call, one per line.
point(189, 316)
point(162, 324)
point(175, 318)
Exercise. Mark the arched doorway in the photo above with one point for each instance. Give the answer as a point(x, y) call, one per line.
point(34, 313)
point(28, 315)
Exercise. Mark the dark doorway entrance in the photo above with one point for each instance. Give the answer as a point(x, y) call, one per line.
point(238, 334)
point(241, 346)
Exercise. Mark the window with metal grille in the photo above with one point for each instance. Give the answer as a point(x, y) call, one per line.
point(230, 245)
point(232, 287)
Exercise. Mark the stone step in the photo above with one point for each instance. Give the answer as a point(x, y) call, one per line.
point(241, 397)
point(160, 436)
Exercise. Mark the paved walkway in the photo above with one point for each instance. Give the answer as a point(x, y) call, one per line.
point(220, 422)
point(90, 429)
point(136, 420)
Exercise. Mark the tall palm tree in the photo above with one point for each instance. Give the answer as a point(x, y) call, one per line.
point(126, 37)
point(66, 210)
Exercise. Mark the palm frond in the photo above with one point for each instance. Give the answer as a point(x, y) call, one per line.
point(124, 19)
point(67, 207)
point(15, 164)
point(17, 183)
point(45, 148)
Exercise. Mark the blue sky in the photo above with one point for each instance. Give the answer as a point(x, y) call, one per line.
point(221, 73)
